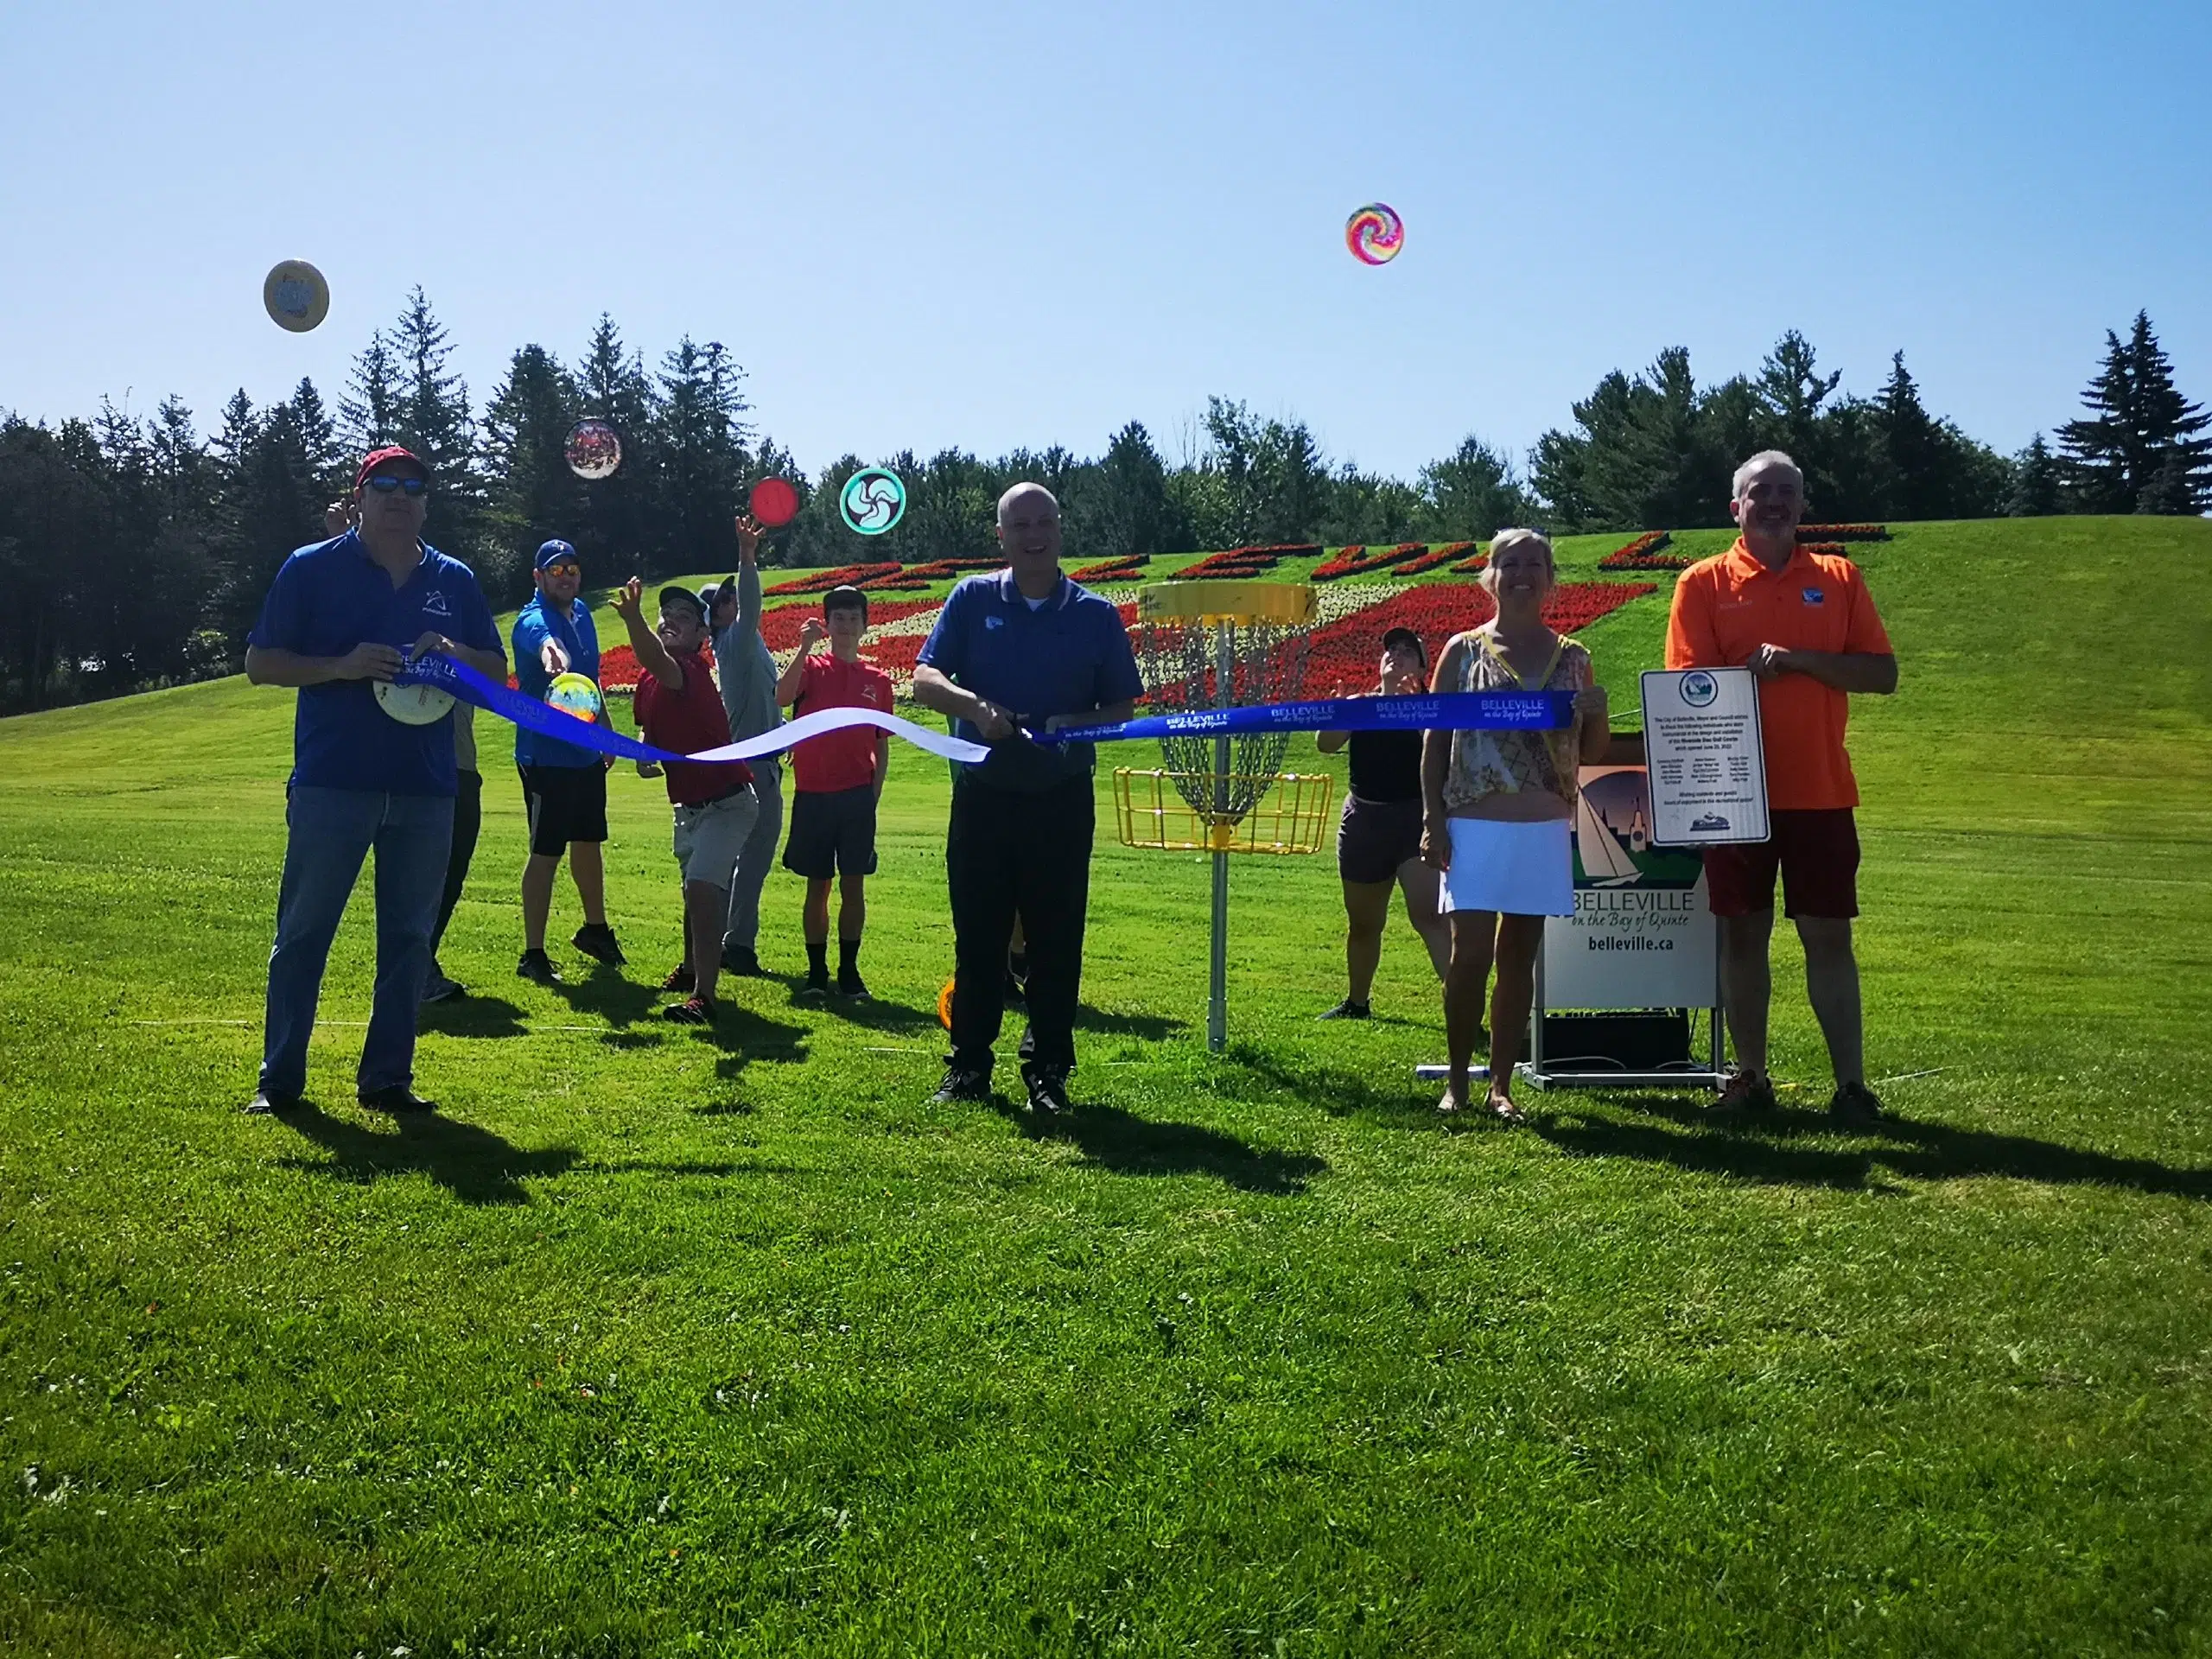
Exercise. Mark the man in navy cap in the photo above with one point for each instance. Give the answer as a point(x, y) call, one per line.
point(563, 787)
point(369, 770)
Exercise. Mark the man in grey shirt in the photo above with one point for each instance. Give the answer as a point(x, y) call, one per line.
point(748, 678)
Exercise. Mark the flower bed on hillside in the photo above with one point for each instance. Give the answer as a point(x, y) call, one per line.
point(1237, 562)
point(1643, 554)
point(1340, 657)
point(1471, 567)
point(821, 581)
point(1440, 555)
point(1123, 569)
point(1356, 560)
point(1845, 532)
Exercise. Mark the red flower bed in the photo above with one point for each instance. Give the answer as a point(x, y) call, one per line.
point(1845, 532)
point(1443, 553)
point(1340, 657)
point(1831, 549)
point(921, 576)
point(821, 581)
point(1113, 569)
point(1643, 554)
point(1356, 560)
point(1469, 567)
point(780, 627)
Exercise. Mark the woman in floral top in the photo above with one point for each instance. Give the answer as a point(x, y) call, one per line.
point(1496, 811)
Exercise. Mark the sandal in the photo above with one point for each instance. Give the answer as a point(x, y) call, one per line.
point(1505, 1111)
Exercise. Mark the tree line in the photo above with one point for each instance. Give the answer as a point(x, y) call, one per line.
point(135, 551)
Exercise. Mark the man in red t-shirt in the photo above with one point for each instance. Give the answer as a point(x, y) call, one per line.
point(836, 779)
point(1804, 624)
point(679, 708)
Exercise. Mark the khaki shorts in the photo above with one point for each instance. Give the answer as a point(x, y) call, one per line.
point(710, 839)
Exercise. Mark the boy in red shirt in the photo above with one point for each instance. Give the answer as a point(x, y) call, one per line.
point(679, 708)
point(836, 779)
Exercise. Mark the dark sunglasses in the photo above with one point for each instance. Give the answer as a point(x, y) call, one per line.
point(386, 483)
point(565, 568)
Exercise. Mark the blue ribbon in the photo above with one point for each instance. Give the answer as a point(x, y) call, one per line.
point(1452, 711)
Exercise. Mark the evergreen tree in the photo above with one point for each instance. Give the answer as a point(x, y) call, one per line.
point(618, 527)
point(1470, 495)
point(1912, 448)
point(1791, 390)
point(534, 496)
point(700, 450)
point(1120, 507)
point(2142, 449)
point(2036, 483)
point(369, 411)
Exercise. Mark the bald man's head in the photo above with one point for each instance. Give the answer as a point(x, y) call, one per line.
point(1029, 534)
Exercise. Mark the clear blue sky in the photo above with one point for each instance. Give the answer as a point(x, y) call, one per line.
point(991, 224)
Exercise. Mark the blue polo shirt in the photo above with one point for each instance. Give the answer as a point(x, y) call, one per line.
point(538, 623)
point(333, 597)
point(1067, 655)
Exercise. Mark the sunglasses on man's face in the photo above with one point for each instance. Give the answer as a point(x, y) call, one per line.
point(386, 483)
point(564, 570)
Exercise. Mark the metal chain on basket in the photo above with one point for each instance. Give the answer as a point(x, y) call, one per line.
point(1177, 660)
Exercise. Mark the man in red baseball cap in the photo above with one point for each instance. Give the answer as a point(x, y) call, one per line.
point(339, 621)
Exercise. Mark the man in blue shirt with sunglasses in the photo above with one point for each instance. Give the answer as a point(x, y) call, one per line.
point(370, 769)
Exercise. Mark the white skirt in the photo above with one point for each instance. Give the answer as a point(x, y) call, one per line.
point(1522, 869)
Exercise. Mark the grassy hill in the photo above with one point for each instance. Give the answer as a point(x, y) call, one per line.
point(661, 1342)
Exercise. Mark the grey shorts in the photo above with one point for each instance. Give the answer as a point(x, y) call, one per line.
point(709, 839)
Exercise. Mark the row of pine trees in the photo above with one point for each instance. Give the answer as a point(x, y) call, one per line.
point(135, 551)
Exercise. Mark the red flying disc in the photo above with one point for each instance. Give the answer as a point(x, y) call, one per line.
point(775, 503)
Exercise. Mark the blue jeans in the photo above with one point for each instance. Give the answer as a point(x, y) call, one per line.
point(332, 830)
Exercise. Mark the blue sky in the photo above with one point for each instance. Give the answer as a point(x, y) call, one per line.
point(993, 225)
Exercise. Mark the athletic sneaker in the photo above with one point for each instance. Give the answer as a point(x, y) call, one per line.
point(746, 965)
point(849, 985)
point(597, 939)
point(1746, 1093)
point(960, 1084)
point(1854, 1103)
point(270, 1103)
point(679, 980)
point(816, 989)
point(1348, 1009)
point(536, 965)
point(692, 1011)
point(438, 987)
point(1048, 1089)
point(397, 1098)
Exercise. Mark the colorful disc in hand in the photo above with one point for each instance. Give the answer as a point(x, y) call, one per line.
point(413, 705)
point(775, 502)
point(592, 450)
point(871, 501)
point(1375, 234)
point(295, 296)
point(578, 694)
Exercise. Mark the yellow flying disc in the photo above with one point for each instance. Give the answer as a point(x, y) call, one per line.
point(413, 705)
point(295, 296)
point(578, 694)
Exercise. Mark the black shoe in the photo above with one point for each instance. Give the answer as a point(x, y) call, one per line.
point(692, 1011)
point(962, 1085)
point(397, 1098)
point(438, 987)
point(1048, 1089)
point(596, 940)
point(848, 985)
point(679, 980)
point(271, 1102)
point(1745, 1093)
point(1348, 1009)
point(1854, 1104)
point(536, 965)
point(816, 989)
point(746, 965)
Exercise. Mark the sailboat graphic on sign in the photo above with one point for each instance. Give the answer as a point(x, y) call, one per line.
point(1605, 863)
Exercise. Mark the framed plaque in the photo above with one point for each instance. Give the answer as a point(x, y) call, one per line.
point(1702, 749)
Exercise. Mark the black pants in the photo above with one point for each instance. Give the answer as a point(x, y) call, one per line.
point(467, 819)
point(1009, 855)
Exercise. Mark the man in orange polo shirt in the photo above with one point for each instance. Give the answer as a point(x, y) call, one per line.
point(1803, 624)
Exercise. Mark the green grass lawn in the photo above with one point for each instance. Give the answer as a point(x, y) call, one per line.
point(658, 1342)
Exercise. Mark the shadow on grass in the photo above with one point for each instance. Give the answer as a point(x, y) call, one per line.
point(472, 1015)
point(474, 1164)
point(1766, 1150)
point(606, 994)
point(1409, 1104)
point(1129, 1144)
point(876, 1014)
point(1152, 1025)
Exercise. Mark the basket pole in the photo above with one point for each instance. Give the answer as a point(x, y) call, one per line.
point(1224, 669)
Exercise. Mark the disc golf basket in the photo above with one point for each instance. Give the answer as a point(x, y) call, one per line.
point(1222, 644)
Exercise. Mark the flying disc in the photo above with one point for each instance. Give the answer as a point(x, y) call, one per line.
point(1375, 233)
point(871, 501)
point(413, 705)
point(592, 450)
point(944, 1006)
point(578, 694)
point(775, 503)
point(295, 296)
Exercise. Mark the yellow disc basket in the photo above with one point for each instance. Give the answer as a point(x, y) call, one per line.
point(1222, 644)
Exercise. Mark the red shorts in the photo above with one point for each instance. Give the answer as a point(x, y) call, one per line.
point(1817, 852)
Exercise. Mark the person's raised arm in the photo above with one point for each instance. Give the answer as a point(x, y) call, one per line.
point(792, 680)
point(629, 604)
point(749, 575)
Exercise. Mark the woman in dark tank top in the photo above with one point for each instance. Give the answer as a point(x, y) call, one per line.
point(1378, 839)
